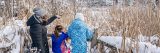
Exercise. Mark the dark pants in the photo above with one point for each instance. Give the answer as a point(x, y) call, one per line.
point(40, 41)
point(45, 41)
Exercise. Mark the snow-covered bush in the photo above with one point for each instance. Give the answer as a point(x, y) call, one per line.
point(14, 37)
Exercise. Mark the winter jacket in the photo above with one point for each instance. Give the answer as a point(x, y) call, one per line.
point(38, 32)
point(79, 33)
point(56, 42)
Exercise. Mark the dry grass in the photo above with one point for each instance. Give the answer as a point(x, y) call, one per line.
point(136, 20)
point(132, 21)
point(129, 20)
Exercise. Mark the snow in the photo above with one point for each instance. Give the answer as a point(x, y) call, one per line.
point(46, 1)
point(153, 39)
point(1, 18)
point(2, 2)
point(13, 37)
point(107, 49)
point(17, 43)
point(93, 50)
point(145, 44)
point(115, 41)
point(144, 47)
point(10, 37)
point(8, 30)
point(19, 23)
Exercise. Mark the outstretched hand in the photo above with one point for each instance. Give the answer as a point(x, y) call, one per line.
point(58, 16)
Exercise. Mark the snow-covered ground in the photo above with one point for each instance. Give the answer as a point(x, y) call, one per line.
point(10, 37)
point(144, 46)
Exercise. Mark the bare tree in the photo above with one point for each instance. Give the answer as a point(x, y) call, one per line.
point(116, 2)
point(157, 2)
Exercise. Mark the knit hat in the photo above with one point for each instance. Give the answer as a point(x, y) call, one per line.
point(80, 16)
point(39, 11)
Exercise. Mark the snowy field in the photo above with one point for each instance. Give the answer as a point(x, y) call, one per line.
point(13, 34)
point(143, 45)
point(10, 37)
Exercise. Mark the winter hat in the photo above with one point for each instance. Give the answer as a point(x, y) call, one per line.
point(80, 16)
point(39, 11)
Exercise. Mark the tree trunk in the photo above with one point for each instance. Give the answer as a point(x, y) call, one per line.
point(115, 2)
point(126, 2)
point(157, 2)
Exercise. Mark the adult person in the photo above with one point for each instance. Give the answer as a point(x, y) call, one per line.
point(38, 31)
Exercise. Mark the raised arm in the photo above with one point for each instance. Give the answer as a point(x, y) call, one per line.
point(69, 32)
point(89, 33)
point(50, 20)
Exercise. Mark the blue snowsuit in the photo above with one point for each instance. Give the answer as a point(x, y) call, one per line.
point(79, 34)
point(56, 42)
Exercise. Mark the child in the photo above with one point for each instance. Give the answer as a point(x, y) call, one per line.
point(79, 33)
point(58, 40)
